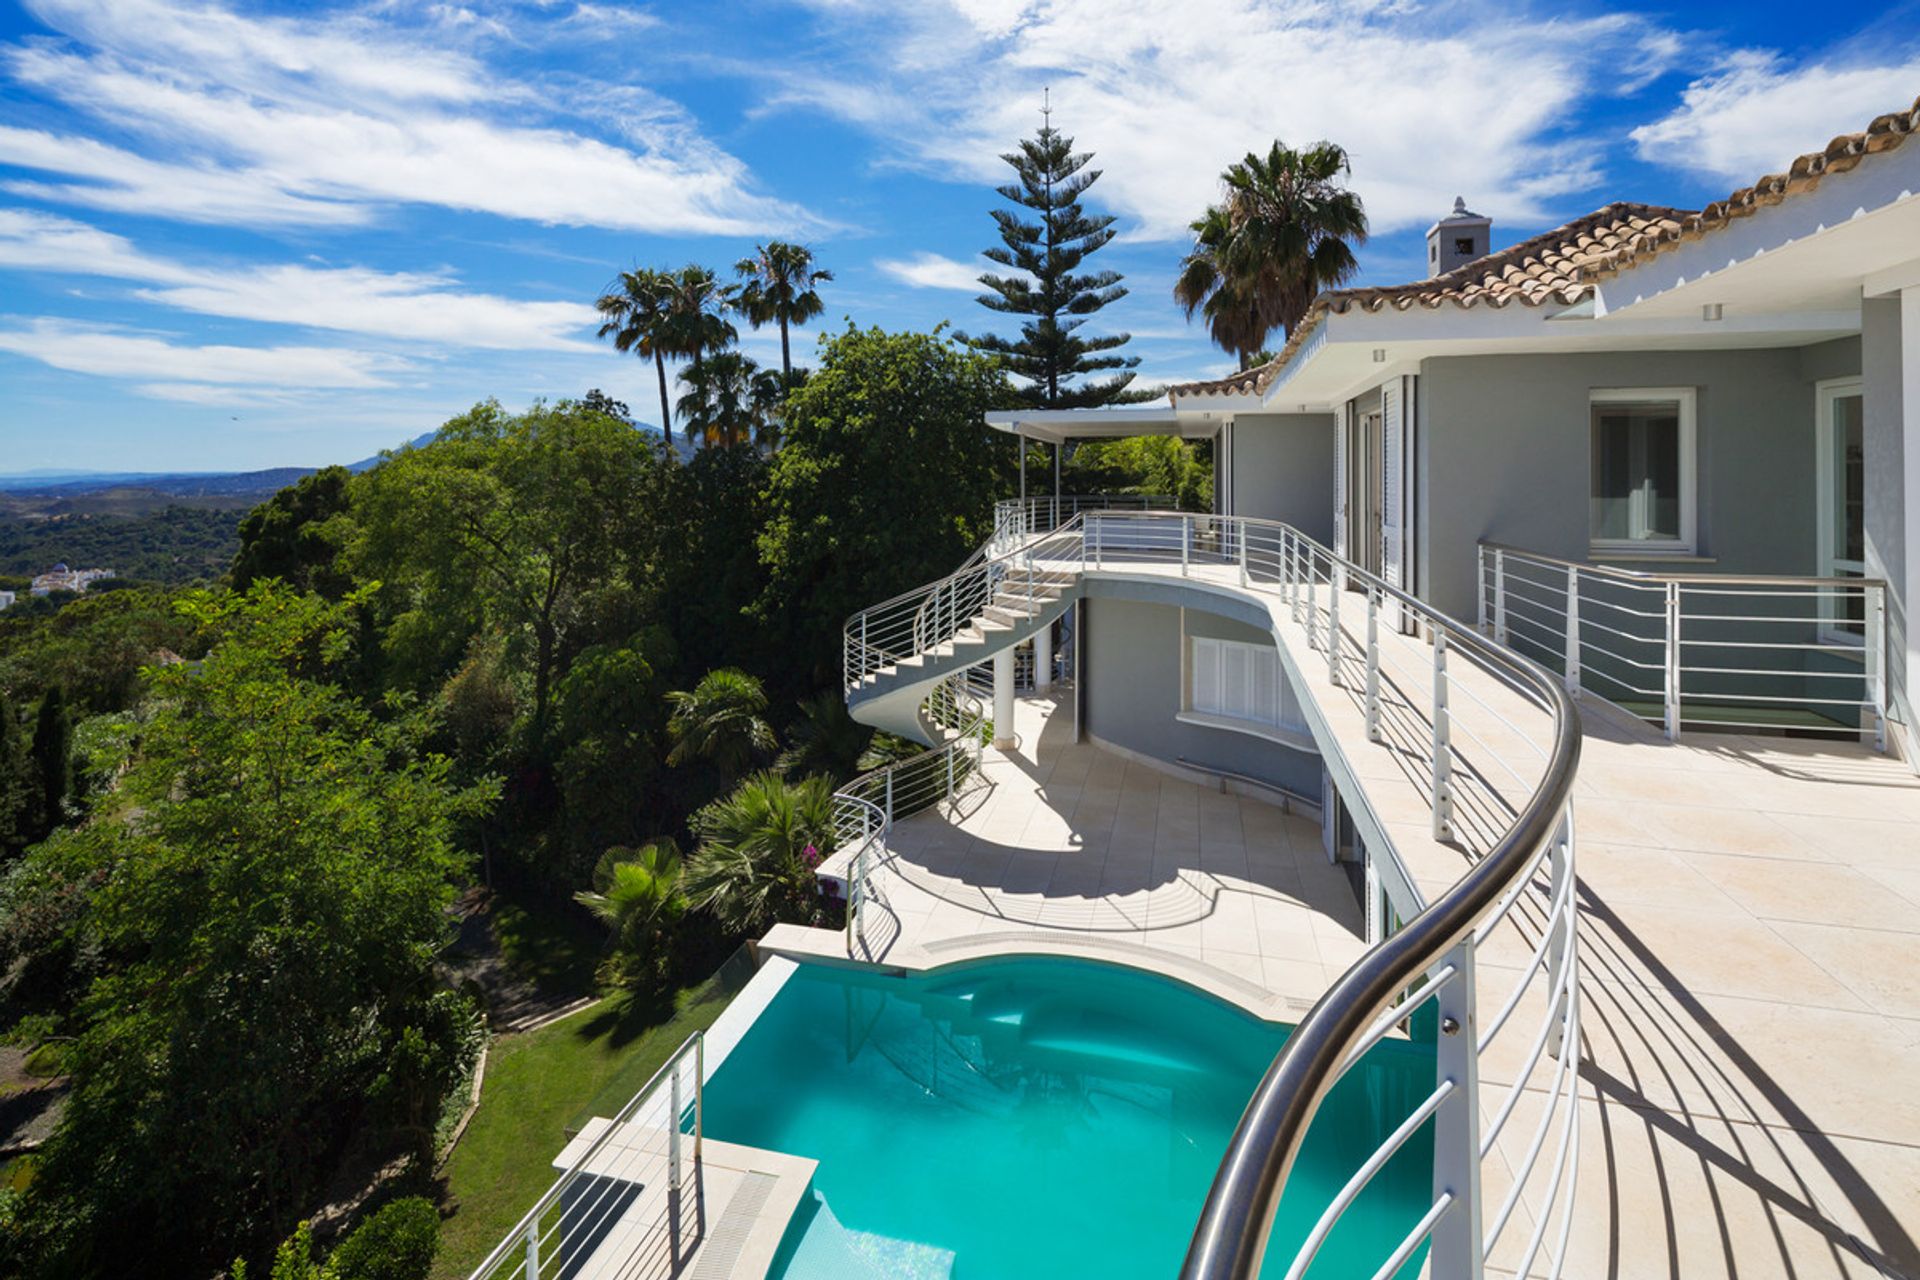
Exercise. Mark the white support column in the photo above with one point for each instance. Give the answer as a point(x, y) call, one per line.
point(1910, 434)
point(1043, 659)
point(1003, 735)
point(1457, 1239)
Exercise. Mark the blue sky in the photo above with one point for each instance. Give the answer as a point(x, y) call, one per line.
point(237, 235)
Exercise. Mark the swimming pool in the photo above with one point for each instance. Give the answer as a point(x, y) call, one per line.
point(1030, 1118)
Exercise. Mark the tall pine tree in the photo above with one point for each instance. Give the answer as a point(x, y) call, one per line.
point(50, 761)
point(1051, 353)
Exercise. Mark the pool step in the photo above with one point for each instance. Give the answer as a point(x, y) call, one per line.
point(830, 1250)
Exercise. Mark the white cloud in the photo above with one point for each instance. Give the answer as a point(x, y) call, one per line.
point(415, 306)
point(932, 271)
point(119, 353)
point(1756, 113)
point(1431, 102)
point(257, 121)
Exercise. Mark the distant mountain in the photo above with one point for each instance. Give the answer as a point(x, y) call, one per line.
point(420, 441)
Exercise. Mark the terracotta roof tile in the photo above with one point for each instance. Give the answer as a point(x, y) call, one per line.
point(1804, 174)
point(1562, 265)
point(1548, 268)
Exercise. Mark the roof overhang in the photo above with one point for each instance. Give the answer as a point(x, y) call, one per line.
point(1856, 233)
point(1059, 426)
point(1359, 349)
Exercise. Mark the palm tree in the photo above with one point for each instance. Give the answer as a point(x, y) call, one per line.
point(759, 849)
point(780, 283)
point(1286, 231)
point(721, 720)
point(1230, 308)
point(824, 739)
point(696, 304)
point(719, 403)
point(635, 307)
point(637, 893)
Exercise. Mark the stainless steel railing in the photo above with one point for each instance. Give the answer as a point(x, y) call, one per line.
point(1698, 650)
point(651, 1149)
point(1507, 804)
point(866, 808)
point(1016, 518)
point(1498, 738)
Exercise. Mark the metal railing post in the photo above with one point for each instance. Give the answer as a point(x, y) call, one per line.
point(1672, 683)
point(1499, 595)
point(1373, 664)
point(1186, 543)
point(950, 766)
point(1560, 864)
point(888, 811)
point(863, 646)
point(1241, 535)
point(699, 1093)
point(1456, 1251)
point(1573, 630)
point(1442, 742)
point(533, 1250)
point(1875, 636)
point(673, 1131)
point(1480, 589)
point(1333, 630)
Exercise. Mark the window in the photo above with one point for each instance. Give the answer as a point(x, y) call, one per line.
point(1234, 681)
point(1463, 244)
point(1643, 471)
point(1840, 472)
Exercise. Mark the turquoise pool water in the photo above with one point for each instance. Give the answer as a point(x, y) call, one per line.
point(1041, 1118)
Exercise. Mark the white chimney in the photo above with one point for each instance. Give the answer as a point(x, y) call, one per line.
point(1457, 239)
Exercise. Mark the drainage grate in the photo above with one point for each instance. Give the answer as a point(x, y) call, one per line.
point(729, 1236)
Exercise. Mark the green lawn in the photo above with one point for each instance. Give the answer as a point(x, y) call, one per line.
point(542, 1086)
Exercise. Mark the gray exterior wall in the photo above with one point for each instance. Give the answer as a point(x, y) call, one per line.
point(1886, 479)
point(1283, 470)
point(1504, 455)
point(1130, 665)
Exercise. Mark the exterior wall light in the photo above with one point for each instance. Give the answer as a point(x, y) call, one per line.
point(1711, 311)
point(1379, 355)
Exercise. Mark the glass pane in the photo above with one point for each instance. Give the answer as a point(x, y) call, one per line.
point(1636, 471)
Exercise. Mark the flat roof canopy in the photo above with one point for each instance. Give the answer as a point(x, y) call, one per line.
point(1058, 426)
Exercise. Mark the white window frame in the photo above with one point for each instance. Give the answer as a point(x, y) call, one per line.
point(1686, 399)
point(1825, 393)
point(1288, 726)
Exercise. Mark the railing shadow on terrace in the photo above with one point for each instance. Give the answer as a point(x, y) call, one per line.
point(1521, 873)
point(1689, 651)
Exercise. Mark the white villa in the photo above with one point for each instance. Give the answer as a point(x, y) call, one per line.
point(1524, 742)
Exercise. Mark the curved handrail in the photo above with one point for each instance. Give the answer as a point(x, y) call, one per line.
point(1430, 955)
point(866, 807)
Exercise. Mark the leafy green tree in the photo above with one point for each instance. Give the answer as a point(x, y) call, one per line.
point(50, 761)
point(637, 894)
point(94, 648)
point(639, 319)
point(886, 479)
point(1050, 287)
point(1286, 230)
point(611, 722)
point(781, 287)
point(296, 534)
point(270, 923)
point(1179, 469)
point(397, 1243)
point(759, 848)
point(16, 784)
point(522, 525)
point(722, 721)
point(709, 569)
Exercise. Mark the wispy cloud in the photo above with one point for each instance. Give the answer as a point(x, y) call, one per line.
point(414, 306)
point(1757, 111)
point(1465, 98)
point(120, 353)
point(932, 271)
point(323, 120)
